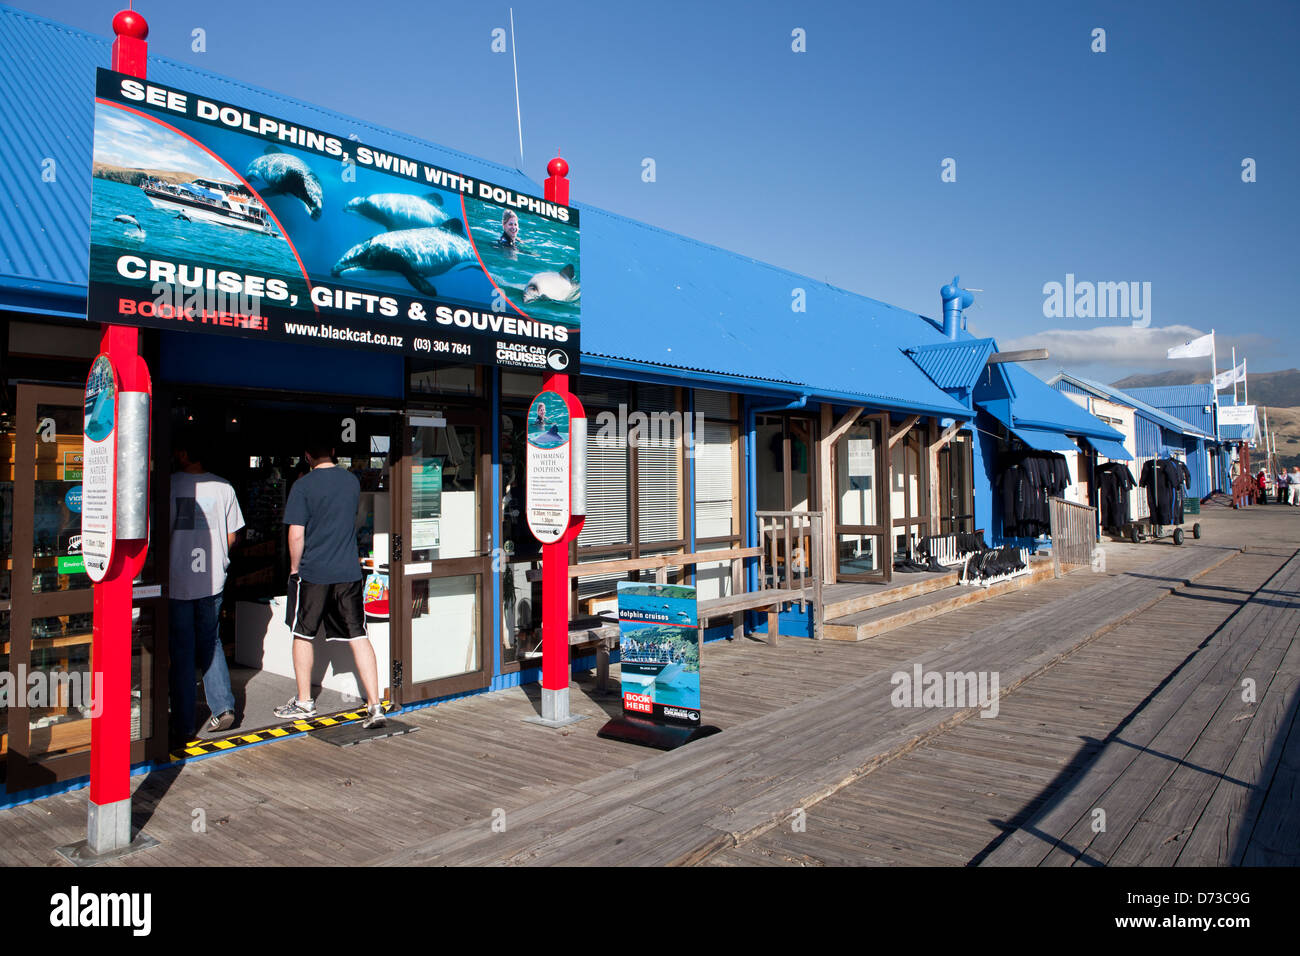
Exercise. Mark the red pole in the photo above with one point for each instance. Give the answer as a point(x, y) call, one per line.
point(555, 556)
point(110, 732)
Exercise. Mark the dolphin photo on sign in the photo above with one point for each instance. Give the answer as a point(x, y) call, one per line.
point(207, 217)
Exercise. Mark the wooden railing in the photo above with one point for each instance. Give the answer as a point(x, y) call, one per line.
point(790, 543)
point(1074, 533)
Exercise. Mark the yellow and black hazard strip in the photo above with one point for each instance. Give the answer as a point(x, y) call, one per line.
point(212, 745)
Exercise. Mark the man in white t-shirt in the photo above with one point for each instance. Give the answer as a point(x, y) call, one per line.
point(205, 519)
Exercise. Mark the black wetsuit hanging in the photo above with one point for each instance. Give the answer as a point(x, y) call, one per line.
point(1114, 482)
point(1027, 480)
point(1161, 477)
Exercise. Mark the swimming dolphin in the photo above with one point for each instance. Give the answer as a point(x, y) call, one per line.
point(181, 216)
point(413, 253)
point(396, 211)
point(290, 176)
point(556, 286)
point(131, 221)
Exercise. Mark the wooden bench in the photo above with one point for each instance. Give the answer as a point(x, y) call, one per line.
point(794, 582)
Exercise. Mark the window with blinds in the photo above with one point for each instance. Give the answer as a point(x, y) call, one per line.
point(714, 485)
point(653, 467)
point(608, 503)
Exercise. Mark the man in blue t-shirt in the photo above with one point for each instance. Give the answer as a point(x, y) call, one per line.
point(325, 578)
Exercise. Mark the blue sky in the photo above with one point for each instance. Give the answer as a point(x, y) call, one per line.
point(1122, 166)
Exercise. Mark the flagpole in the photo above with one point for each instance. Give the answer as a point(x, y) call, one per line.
point(1234, 375)
point(1245, 383)
point(1214, 373)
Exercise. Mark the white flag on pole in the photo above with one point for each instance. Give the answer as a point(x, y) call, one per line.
point(1194, 349)
point(1226, 378)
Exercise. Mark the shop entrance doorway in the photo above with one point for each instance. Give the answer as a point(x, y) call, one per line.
point(442, 625)
point(861, 504)
point(255, 442)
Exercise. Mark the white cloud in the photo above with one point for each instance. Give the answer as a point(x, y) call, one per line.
point(1123, 345)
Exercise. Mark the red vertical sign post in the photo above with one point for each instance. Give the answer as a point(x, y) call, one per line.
point(109, 817)
point(555, 555)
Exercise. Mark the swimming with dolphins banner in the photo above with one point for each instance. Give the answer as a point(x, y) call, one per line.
point(209, 217)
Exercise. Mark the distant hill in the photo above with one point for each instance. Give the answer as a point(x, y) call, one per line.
point(1278, 392)
point(133, 177)
point(1281, 389)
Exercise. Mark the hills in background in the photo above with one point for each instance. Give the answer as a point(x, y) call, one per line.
point(1281, 389)
point(1279, 392)
point(134, 177)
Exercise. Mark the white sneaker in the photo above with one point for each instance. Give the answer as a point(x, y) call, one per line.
point(376, 717)
point(296, 709)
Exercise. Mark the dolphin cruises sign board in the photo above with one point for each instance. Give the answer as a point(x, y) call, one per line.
point(659, 641)
point(210, 217)
point(99, 483)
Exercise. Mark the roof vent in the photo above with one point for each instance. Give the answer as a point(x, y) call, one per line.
point(955, 299)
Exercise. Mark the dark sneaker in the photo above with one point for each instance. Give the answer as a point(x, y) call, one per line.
point(220, 722)
point(296, 709)
point(375, 717)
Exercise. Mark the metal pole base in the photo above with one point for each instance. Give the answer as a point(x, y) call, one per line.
point(108, 835)
point(555, 710)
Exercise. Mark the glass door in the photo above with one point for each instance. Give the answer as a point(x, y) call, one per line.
point(909, 476)
point(50, 600)
point(441, 616)
point(956, 488)
point(861, 505)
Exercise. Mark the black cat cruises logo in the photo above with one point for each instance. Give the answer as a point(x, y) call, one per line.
point(521, 355)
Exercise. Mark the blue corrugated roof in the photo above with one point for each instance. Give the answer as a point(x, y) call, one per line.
point(1167, 396)
point(1037, 404)
point(1127, 398)
point(1187, 402)
point(649, 296)
point(954, 364)
point(657, 297)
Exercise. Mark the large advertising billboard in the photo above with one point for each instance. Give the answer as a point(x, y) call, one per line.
point(209, 217)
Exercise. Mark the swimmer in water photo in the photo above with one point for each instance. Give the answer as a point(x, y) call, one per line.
point(509, 231)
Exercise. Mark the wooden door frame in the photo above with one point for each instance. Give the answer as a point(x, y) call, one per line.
point(23, 770)
point(922, 513)
point(882, 530)
point(400, 584)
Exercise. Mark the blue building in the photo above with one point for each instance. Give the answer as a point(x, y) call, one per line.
point(1158, 431)
point(759, 389)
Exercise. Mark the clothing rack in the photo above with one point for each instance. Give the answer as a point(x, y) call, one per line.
point(1156, 527)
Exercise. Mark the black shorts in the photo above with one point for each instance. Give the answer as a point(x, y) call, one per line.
point(338, 606)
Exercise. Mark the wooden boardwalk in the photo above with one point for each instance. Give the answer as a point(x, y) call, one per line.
point(684, 806)
point(803, 721)
point(954, 800)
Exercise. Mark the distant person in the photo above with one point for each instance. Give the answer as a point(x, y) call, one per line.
point(205, 520)
point(325, 578)
point(1293, 486)
point(1261, 482)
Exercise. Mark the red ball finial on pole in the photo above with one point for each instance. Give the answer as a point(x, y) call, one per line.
point(557, 187)
point(128, 23)
point(130, 51)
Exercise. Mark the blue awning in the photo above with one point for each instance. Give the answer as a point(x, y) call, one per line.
point(1111, 449)
point(1042, 439)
